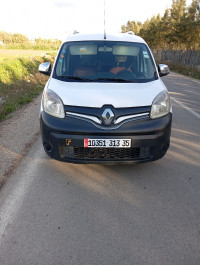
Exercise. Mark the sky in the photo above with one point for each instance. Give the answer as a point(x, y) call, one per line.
point(58, 18)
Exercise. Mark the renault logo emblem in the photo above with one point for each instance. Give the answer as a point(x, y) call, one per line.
point(107, 116)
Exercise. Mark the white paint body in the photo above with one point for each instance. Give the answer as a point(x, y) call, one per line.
point(119, 95)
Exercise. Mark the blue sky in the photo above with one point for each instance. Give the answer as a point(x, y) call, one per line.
point(57, 18)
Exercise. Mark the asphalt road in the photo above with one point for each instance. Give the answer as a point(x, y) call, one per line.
point(58, 213)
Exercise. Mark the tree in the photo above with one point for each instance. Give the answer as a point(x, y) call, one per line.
point(177, 10)
point(192, 23)
point(19, 38)
point(132, 26)
point(179, 28)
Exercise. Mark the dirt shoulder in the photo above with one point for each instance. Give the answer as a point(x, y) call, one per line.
point(13, 53)
point(17, 134)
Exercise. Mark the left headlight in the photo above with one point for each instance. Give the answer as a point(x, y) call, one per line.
point(52, 104)
point(161, 105)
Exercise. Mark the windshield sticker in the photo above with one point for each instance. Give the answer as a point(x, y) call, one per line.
point(83, 50)
point(145, 54)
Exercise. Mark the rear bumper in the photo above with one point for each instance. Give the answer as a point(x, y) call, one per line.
point(63, 139)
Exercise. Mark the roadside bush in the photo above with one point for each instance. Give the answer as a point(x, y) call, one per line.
point(19, 41)
point(20, 82)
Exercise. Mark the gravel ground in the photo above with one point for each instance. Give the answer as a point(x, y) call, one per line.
point(17, 134)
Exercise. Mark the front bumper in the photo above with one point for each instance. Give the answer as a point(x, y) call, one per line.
point(63, 139)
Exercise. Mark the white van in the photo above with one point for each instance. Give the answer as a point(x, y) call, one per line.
point(105, 102)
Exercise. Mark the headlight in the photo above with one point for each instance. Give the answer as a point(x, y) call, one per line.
point(160, 106)
point(52, 104)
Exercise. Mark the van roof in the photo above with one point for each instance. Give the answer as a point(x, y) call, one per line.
point(109, 37)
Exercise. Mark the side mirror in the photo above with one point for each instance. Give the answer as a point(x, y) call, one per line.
point(163, 69)
point(45, 68)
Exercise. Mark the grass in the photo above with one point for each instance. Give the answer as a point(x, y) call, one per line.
point(185, 70)
point(15, 103)
point(20, 82)
point(41, 45)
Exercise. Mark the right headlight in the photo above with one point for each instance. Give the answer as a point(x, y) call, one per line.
point(161, 105)
point(52, 104)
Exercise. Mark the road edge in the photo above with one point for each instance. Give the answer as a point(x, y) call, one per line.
point(17, 135)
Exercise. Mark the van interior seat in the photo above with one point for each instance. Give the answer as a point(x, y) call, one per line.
point(84, 71)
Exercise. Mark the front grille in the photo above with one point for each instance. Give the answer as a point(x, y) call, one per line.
point(81, 153)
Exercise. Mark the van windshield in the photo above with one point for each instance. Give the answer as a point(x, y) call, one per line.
point(105, 61)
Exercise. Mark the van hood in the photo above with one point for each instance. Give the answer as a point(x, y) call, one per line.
point(119, 95)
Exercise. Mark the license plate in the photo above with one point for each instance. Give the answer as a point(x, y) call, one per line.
point(107, 143)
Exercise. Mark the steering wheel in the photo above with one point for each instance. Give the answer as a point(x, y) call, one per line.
point(126, 73)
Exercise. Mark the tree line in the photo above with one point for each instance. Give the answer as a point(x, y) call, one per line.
point(178, 28)
point(20, 41)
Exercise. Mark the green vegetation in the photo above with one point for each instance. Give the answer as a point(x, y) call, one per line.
point(184, 70)
point(179, 28)
point(19, 41)
point(20, 82)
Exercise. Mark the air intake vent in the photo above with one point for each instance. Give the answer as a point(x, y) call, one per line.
point(108, 154)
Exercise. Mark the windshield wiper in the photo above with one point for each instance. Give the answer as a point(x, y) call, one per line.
point(75, 78)
point(96, 79)
point(115, 79)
